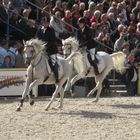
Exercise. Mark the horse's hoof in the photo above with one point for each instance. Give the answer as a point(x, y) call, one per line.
point(32, 102)
point(46, 109)
point(55, 108)
point(89, 96)
point(18, 109)
point(67, 92)
point(95, 101)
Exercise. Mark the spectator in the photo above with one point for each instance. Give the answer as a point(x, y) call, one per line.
point(136, 10)
point(3, 53)
point(68, 19)
point(7, 62)
point(109, 43)
point(58, 6)
point(91, 8)
point(20, 62)
point(106, 5)
point(82, 8)
point(132, 78)
point(12, 52)
point(96, 17)
point(58, 25)
point(86, 15)
point(119, 42)
point(47, 10)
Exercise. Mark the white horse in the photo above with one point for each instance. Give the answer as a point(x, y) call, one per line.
point(84, 69)
point(39, 72)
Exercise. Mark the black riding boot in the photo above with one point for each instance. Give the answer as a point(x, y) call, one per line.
point(55, 70)
point(94, 64)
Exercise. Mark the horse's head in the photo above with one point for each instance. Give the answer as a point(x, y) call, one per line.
point(70, 45)
point(32, 48)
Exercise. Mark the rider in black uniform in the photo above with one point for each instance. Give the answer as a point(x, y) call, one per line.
point(47, 34)
point(85, 39)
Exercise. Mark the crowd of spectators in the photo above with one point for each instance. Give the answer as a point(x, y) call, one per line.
point(115, 24)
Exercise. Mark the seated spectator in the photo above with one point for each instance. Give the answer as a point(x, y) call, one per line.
point(68, 19)
point(86, 15)
point(82, 8)
point(20, 62)
point(7, 62)
point(58, 6)
point(3, 53)
point(119, 42)
point(91, 8)
point(12, 52)
point(109, 43)
point(96, 17)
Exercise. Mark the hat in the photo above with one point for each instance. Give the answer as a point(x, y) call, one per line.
point(81, 20)
point(45, 19)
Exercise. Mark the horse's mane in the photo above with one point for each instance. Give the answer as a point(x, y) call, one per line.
point(72, 40)
point(39, 44)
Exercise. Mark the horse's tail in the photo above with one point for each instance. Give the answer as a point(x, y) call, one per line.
point(119, 61)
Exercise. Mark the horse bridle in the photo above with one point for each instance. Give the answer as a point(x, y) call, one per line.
point(33, 57)
point(68, 48)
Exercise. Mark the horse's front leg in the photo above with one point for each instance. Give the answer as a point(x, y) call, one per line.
point(67, 89)
point(28, 87)
point(26, 90)
point(35, 83)
point(76, 78)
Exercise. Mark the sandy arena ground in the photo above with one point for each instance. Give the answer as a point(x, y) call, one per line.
point(80, 119)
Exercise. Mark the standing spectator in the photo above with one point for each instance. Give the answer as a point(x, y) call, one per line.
point(132, 78)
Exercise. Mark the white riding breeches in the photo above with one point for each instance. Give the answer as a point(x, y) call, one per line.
point(92, 53)
point(53, 58)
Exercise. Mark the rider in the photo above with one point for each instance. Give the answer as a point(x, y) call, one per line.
point(85, 39)
point(47, 34)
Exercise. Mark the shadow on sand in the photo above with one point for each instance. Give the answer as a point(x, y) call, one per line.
point(127, 106)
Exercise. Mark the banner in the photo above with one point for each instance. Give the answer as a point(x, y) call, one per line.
point(12, 81)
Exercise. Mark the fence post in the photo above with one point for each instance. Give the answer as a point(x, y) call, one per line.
point(139, 81)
